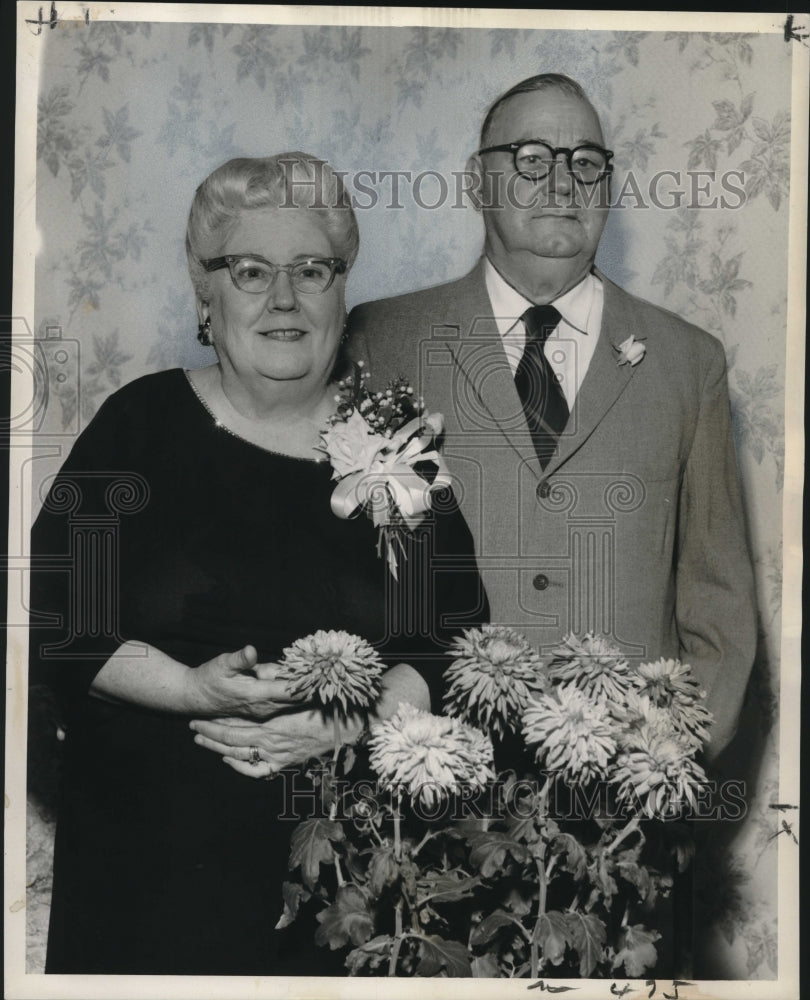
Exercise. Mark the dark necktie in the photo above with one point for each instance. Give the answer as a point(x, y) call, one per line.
point(543, 399)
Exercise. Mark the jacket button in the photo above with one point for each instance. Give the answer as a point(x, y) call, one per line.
point(543, 490)
point(540, 582)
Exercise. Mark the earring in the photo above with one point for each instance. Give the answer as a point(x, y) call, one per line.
point(204, 333)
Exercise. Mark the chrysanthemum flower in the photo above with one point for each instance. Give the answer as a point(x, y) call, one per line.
point(333, 666)
point(494, 675)
point(573, 734)
point(638, 712)
point(430, 756)
point(670, 685)
point(593, 665)
point(658, 771)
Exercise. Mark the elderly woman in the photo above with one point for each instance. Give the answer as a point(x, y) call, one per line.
point(166, 861)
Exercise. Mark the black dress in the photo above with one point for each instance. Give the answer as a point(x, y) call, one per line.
point(166, 528)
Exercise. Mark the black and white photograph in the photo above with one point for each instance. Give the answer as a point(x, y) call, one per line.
point(406, 478)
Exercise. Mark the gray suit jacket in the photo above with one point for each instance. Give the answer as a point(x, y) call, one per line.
point(635, 529)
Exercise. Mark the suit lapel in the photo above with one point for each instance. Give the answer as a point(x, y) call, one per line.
point(478, 352)
point(477, 349)
point(604, 381)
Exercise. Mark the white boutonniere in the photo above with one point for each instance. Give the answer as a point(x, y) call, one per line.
point(631, 351)
point(374, 443)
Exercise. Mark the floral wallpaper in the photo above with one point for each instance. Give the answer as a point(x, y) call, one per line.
point(132, 116)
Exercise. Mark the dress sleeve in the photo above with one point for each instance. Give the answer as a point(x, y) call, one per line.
point(438, 593)
point(75, 541)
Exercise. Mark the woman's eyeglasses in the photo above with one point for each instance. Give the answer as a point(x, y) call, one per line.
point(255, 275)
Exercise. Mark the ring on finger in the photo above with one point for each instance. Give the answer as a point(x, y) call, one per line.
point(254, 757)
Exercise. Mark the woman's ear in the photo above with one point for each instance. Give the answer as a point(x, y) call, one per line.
point(203, 311)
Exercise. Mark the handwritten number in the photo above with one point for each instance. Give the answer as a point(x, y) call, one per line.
point(39, 23)
point(676, 983)
point(793, 35)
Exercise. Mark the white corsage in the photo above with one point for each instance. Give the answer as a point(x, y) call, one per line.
point(631, 351)
point(374, 443)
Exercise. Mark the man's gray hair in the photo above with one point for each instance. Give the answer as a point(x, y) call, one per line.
point(543, 81)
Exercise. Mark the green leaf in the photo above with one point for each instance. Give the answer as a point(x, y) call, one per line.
point(727, 115)
point(601, 877)
point(353, 862)
point(747, 105)
point(489, 927)
point(703, 149)
point(348, 918)
point(587, 936)
point(518, 899)
point(293, 894)
point(383, 869)
point(576, 860)
point(488, 851)
point(311, 844)
point(636, 875)
point(446, 887)
point(637, 950)
point(523, 829)
point(437, 955)
point(372, 954)
point(486, 967)
point(552, 935)
point(762, 129)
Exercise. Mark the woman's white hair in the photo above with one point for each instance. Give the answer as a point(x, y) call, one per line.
point(289, 180)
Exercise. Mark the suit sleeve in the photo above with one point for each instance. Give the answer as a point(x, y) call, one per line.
point(715, 602)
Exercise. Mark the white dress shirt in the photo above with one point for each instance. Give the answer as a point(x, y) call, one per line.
point(570, 345)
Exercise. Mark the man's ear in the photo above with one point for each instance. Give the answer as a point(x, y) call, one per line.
point(203, 311)
point(476, 182)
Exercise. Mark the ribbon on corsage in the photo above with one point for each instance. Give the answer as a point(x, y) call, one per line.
point(376, 472)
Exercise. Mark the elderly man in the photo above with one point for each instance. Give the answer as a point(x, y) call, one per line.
point(588, 431)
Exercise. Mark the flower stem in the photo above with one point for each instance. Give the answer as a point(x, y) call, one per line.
point(392, 962)
point(542, 881)
point(428, 836)
point(631, 827)
point(333, 808)
point(336, 729)
point(397, 837)
point(339, 871)
point(375, 832)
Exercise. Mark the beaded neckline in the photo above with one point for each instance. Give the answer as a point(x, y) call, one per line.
point(219, 425)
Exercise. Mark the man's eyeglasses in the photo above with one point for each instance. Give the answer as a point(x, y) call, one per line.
point(253, 274)
point(535, 160)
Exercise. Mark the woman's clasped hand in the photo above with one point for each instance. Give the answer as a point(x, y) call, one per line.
point(237, 684)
